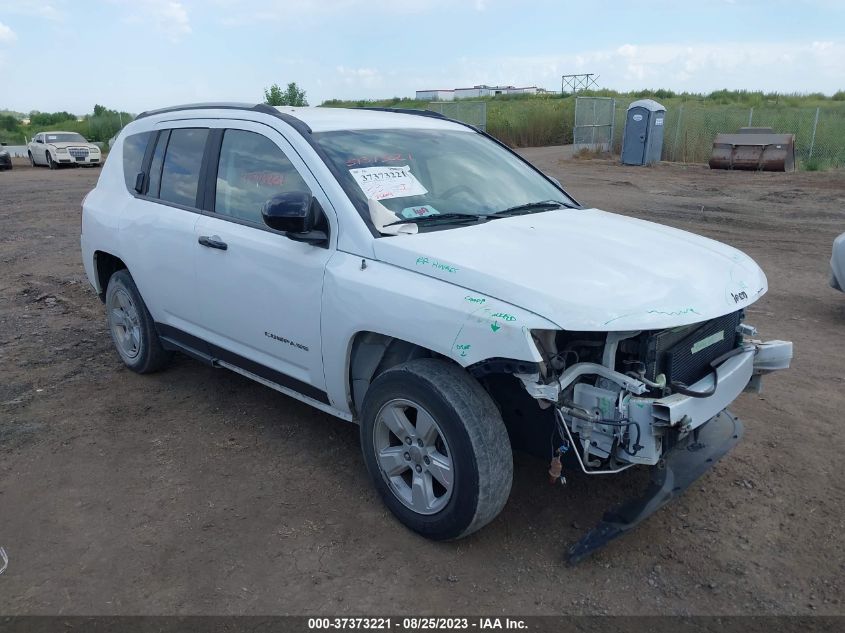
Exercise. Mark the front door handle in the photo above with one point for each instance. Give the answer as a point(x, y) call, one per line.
point(213, 243)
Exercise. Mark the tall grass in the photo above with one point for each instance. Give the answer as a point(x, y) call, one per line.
point(692, 121)
point(531, 122)
point(98, 128)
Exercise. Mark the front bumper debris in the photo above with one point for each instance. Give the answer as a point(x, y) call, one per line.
point(678, 469)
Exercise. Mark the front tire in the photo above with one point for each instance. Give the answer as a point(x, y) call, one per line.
point(132, 328)
point(51, 163)
point(436, 448)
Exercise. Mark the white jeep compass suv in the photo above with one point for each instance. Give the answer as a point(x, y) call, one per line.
point(413, 275)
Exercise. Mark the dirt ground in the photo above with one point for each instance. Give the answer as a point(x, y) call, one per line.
point(196, 491)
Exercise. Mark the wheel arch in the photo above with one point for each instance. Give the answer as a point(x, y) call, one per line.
point(372, 353)
point(105, 265)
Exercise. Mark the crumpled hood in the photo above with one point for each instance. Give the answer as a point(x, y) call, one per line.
point(586, 269)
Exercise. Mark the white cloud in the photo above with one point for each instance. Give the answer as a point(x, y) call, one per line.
point(364, 77)
point(240, 12)
point(34, 8)
point(776, 66)
point(170, 17)
point(7, 35)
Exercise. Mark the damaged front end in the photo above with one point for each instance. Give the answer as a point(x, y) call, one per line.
point(650, 398)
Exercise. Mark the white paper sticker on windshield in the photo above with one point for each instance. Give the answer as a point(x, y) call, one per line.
point(381, 183)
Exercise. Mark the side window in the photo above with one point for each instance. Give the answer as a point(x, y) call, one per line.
point(134, 148)
point(156, 163)
point(252, 170)
point(181, 171)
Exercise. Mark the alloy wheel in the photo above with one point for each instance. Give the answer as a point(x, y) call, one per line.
point(413, 456)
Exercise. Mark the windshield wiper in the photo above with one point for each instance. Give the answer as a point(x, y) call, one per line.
point(445, 218)
point(530, 207)
point(453, 218)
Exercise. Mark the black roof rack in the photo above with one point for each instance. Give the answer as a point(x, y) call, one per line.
point(416, 111)
point(297, 124)
point(267, 109)
point(213, 105)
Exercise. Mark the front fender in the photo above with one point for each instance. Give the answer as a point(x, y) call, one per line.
point(371, 296)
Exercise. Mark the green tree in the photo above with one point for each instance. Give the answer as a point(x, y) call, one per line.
point(8, 122)
point(292, 96)
point(43, 119)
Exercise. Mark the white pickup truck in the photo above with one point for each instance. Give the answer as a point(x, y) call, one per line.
point(413, 275)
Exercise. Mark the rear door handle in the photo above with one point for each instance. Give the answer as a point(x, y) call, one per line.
point(213, 243)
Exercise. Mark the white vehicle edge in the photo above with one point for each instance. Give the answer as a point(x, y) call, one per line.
point(505, 292)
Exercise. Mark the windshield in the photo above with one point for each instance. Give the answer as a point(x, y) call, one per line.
point(425, 173)
point(68, 137)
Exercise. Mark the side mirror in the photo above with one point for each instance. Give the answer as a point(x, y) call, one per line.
point(555, 180)
point(294, 213)
point(38, 140)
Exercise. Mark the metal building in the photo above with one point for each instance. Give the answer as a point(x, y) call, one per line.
point(642, 140)
point(482, 90)
point(436, 95)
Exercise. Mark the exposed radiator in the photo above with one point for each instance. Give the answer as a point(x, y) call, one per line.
point(684, 354)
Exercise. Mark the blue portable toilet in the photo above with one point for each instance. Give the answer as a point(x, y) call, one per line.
point(642, 140)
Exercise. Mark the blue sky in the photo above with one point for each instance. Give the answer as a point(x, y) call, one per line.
point(139, 54)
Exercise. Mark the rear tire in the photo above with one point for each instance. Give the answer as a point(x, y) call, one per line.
point(452, 471)
point(132, 328)
point(31, 159)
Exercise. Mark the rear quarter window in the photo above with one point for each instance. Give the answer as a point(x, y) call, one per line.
point(134, 148)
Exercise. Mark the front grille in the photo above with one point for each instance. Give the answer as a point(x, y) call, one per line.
point(78, 152)
point(684, 354)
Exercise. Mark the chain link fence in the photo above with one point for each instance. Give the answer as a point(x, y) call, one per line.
point(472, 112)
point(691, 128)
point(594, 123)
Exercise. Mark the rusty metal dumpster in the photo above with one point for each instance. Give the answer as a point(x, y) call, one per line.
point(754, 151)
point(756, 130)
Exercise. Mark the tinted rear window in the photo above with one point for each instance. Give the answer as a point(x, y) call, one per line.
point(134, 148)
point(182, 162)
